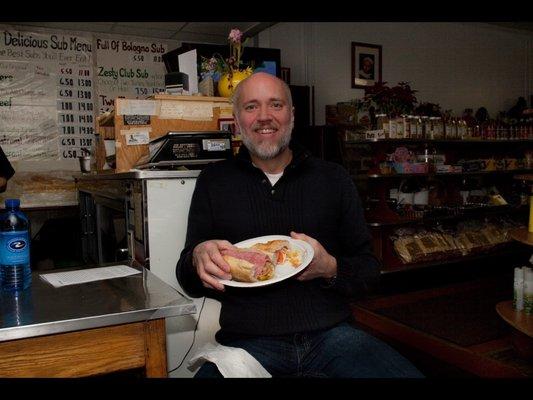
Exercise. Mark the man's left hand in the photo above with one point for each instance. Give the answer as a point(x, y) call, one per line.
point(323, 265)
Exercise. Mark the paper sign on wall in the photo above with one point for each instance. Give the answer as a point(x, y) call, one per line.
point(46, 95)
point(137, 107)
point(128, 68)
point(137, 138)
point(189, 110)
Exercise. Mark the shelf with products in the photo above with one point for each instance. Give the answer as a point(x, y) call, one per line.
point(429, 215)
point(502, 251)
point(424, 140)
point(439, 174)
point(437, 242)
point(525, 234)
point(423, 184)
point(381, 126)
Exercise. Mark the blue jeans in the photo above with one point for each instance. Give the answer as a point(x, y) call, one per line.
point(339, 352)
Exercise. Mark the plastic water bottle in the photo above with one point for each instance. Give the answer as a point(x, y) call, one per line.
point(15, 272)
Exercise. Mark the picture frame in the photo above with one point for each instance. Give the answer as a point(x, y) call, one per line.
point(286, 75)
point(366, 64)
point(228, 124)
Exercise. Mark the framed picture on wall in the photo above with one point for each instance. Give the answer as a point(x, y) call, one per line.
point(366, 64)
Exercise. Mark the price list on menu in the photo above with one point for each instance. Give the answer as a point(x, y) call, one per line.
point(75, 110)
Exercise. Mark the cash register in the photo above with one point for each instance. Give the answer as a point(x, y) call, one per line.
point(187, 150)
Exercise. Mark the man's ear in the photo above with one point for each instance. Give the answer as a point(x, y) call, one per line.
point(237, 126)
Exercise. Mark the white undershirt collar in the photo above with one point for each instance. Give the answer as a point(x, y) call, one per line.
point(273, 178)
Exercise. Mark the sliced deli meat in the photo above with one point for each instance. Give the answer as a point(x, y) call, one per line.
point(248, 265)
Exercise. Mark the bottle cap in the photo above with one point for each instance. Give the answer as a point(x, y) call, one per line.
point(11, 203)
point(519, 273)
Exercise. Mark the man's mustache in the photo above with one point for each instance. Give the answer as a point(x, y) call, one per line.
point(263, 126)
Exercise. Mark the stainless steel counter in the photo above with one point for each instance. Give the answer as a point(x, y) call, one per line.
point(44, 310)
point(141, 174)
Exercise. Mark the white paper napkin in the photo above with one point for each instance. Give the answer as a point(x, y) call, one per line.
point(232, 362)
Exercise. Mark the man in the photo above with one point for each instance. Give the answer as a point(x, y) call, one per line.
point(6, 171)
point(367, 68)
point(299, 326)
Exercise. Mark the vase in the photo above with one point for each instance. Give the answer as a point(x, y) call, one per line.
point(206, 86)
point(227, 85)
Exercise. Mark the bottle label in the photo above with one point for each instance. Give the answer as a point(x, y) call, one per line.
point(14, 247)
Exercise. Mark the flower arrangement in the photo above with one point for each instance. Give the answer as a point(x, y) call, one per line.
point(216, 66)
point(393, 101)
point(236, 49)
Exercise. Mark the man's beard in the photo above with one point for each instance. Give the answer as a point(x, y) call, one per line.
point(266, 150)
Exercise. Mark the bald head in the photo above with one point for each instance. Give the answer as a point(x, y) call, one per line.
point(264, 115)
point(256, 78)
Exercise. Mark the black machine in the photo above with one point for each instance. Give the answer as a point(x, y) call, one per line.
point(188, 150)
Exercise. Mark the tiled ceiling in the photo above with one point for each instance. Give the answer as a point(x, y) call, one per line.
point(208, 32)
point(523, 26)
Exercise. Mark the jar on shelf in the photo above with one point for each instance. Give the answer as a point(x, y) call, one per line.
point(450, 129)
point(396, 127)
point(438, 128)
point(425, 134)
point(416, 127)
point(400, 126)
point(476, 131)
point(434, 130)
point(461, 129)
point(407, 126)
point(382, 123)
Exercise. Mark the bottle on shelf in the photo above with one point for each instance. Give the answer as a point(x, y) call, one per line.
point(437, 128)
point(15, 272)
point(461, 129)
point(407, 126)
point(530, 224)
point(450, 129)
point(465, 190)
point(518, 289)
point(382, 122)
point(428, 157)
point(528, 291)
point(425, 131)
point(416, 127)
point(524, 192)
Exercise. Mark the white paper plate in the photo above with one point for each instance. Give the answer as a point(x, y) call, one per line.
point(282, 271)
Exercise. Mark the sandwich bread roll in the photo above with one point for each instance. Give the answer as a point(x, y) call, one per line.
point(248, 265)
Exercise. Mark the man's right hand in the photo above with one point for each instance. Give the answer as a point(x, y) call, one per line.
point(209, 263)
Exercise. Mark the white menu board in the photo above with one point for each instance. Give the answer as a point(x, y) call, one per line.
point(128, 68)
point(46, 95)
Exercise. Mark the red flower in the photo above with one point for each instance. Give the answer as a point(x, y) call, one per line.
point(393, 101)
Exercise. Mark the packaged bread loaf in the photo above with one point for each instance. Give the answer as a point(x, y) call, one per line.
point(408, 249)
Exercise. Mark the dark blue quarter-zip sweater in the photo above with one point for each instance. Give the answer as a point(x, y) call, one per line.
point(233, 200)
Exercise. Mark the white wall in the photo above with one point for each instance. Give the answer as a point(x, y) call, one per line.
point(456, 65)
